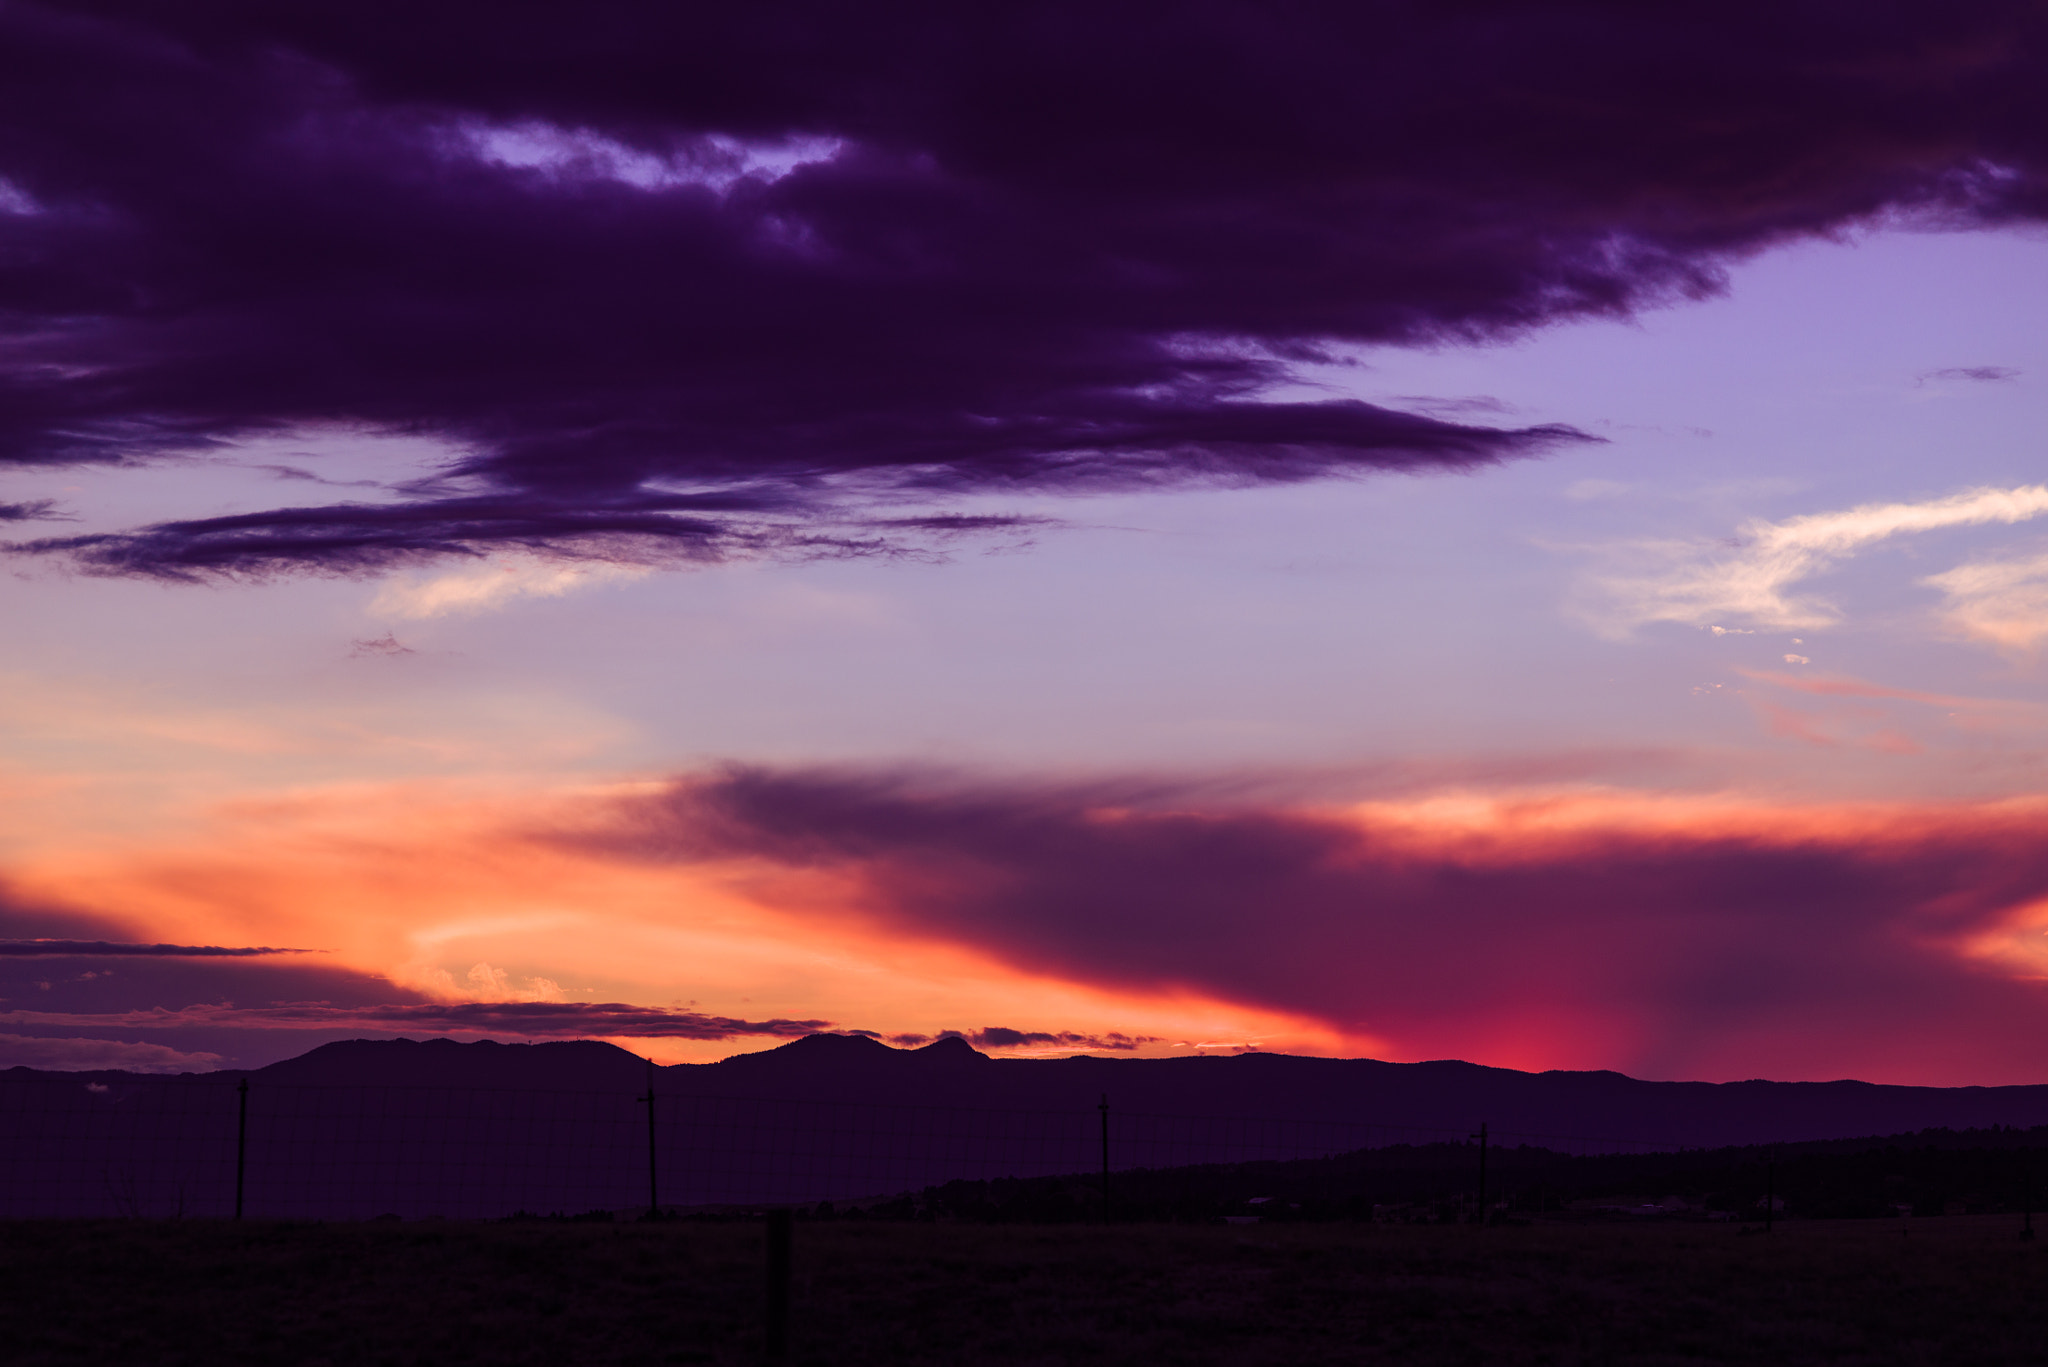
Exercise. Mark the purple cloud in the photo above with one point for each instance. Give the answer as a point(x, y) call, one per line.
point(1989, 374)
point(1003, 1037)
point(695, 282)
point(1824, 943)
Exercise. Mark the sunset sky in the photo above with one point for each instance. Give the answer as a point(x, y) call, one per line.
point(1514, 532)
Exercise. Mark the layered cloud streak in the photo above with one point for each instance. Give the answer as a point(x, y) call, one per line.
point(575, 1020)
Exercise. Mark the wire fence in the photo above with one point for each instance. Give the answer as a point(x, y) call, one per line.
point(142, 1147)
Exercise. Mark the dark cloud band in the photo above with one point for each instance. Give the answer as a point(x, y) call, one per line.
point(679, 282)
point(571, 1020)
point(110, 948)
point(993, 1037)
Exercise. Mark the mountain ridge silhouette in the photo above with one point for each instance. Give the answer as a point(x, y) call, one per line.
point(950, 1073)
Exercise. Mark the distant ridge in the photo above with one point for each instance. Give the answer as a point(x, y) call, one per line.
point(555, 1065)
point(1438, 1096)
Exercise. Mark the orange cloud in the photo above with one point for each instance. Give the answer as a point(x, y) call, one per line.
point(454, 897)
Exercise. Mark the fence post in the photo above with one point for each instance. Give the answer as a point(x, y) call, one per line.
point(653, 1192)
point(775, 1325)
point(241, 1141)
point(1104, 1109)
point(2027, 1193)
point(1481, 1137)
point(1770, 1187)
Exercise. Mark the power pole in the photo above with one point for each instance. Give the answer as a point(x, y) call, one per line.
point(241, 1141)
point(2027, 1193)
point(1481, 1137)
point(1104, 1109)
point(1770, 1188)
point(653, 1192)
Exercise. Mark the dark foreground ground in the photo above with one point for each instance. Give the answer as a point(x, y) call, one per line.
point(1952, 1290)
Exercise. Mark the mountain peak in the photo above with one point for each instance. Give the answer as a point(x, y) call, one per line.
point(823, 1045)
point(949, 1049)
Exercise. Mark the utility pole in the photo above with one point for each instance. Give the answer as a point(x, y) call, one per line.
point(1104, 1108)
point(2026, 1193)
point(1770, 1188)
point(241, 1141)
point(1481, 1137)
point(653, 1192)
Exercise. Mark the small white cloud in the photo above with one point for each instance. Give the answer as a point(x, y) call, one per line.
point(493, 584)
point(2002, 602)
point(488, 984)
point(1731, 631)
point(1797, 660)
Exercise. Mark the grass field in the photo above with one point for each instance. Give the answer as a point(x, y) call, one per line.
point(1946, 1291)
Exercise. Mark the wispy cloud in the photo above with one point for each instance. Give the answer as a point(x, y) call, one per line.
point(1859, 688)
point(1751, 576)
point(385, 646)
point(495, 583)
point(2001, 602)
point(1854, 713)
